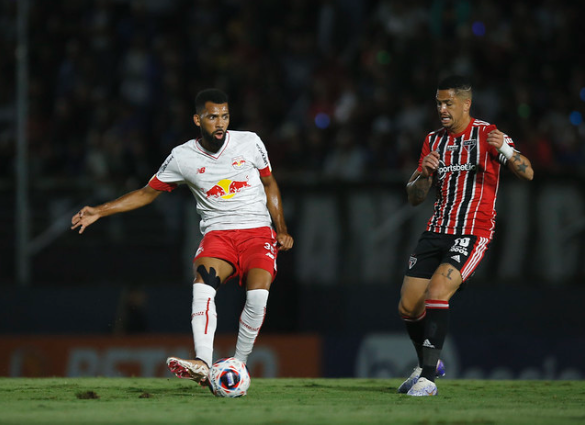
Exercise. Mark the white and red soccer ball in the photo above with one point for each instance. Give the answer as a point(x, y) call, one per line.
point(229, 377)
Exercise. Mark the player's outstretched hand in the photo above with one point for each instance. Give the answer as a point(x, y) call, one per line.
point(85, 217)
point(285, 241)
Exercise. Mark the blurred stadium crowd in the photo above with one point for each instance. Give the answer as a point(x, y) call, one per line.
point(337, 89)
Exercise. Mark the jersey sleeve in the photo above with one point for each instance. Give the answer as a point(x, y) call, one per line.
point(426, 149)
point(261, 160)
point(156, 184)
point(169, 175)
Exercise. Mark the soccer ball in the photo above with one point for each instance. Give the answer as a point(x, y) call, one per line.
point(229, 377)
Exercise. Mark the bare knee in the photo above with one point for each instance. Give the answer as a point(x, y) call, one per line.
point(412, 297)
point(411, 310)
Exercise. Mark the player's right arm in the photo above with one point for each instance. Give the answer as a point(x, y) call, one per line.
point(128, 202)
point(421, 181)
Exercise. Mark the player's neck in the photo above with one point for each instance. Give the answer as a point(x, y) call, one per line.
point(461, 126)
point(211, 145)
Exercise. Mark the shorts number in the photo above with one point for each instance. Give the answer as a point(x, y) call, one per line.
point(463, 242)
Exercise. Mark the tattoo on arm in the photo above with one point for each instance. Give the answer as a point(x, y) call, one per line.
point(519, 163)
point(419, 188)
point(418, 193)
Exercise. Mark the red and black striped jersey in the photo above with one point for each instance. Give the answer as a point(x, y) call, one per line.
point(467, 180)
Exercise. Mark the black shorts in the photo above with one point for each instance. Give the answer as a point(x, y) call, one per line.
point(464, 252)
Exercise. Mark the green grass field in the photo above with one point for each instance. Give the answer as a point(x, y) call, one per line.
point(287, 401)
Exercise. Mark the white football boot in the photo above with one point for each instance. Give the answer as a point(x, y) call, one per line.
point(423, 388)
point(410, 381)
point(196, 370)
point(407, 385)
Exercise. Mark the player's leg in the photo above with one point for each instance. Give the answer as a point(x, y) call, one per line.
point(461, 257)
point(423, 262)
point(443, 285)
point(210, 273)
point(411, 308)
point(258, 284)
point(258, 260)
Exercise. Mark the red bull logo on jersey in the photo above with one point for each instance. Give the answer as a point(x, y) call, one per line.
point(238, 162)
point(226, 189)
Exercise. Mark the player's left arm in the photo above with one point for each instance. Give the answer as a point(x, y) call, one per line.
point(274, 204)
point(516, 162)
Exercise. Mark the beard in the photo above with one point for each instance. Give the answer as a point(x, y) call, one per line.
point(212, 141)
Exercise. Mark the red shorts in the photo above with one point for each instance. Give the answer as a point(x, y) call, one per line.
point(244, 249)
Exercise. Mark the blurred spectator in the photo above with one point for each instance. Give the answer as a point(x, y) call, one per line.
point(112, 81)
point(346, 160)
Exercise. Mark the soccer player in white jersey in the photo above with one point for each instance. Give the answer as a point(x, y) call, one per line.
point(238, 199)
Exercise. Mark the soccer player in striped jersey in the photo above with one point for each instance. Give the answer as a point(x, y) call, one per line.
point(238, 199)
point(462, 160)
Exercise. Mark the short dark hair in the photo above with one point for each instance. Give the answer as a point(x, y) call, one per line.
point(461, 85)
point(209, 95)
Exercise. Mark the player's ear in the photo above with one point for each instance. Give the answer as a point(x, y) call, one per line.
point(197, 120)
point(467, 105)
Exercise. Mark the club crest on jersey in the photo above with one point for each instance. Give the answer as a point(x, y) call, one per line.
point(238, 162)
point(411, 262)
point(469, 144)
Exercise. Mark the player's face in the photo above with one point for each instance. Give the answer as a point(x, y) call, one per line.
point(213, 122)
point(453, 110)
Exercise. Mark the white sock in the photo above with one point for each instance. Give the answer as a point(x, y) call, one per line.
point(203, 321)
point(250, 322)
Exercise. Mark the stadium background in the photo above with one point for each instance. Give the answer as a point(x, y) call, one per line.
point(341, 92)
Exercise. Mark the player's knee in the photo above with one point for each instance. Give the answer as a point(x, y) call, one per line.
point(209, 277)
point(405, 310)
point(411, 309)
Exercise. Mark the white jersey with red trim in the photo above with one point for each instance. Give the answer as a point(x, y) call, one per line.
point(226, 184)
